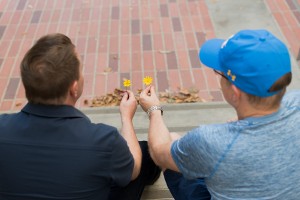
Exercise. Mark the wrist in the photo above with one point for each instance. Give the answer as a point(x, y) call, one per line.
point(126, 119)
point(155, 114)
point(155, 109)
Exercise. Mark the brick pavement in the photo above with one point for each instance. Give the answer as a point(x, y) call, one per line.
point(120, 39)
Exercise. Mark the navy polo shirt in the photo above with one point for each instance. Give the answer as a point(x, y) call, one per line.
point(55, 152)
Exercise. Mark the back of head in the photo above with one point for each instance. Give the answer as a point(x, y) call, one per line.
point(49, 68)
point(255, 61)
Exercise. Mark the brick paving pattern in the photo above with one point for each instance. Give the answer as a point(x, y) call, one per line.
point(120, 39)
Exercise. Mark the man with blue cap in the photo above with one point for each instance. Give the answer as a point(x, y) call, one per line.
point(255, 157)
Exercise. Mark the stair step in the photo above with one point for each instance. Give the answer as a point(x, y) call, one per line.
point(158, 190)
point(178, 117)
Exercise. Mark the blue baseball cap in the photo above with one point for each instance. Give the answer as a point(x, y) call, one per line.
point(252, 60)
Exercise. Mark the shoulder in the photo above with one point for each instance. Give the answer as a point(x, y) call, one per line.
point(213, 131)
point(210, 138)
point(7, 120)
point(5, 116)
point(105, 134)
point(291, 98)
point(104, 128)
point(84, 124)
point(97, 135)
point(202, 147)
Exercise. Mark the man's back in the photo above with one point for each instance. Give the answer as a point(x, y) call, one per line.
point(254, 158)
point(54, 152)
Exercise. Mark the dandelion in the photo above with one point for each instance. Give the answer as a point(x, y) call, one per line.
point(127, 83)
point(147, 80)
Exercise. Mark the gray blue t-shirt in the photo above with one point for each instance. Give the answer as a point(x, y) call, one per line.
point(254, 158)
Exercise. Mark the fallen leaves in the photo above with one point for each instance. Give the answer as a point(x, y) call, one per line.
point(107, 70)
point(110, 99)
point(18, 104)
point(180, 96)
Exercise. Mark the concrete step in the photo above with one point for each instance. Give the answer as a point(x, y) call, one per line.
point(178, 117)
point(158, 190)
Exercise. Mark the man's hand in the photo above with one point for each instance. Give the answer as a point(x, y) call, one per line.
point(159, 138)
point(128, 105)
point(148, 98)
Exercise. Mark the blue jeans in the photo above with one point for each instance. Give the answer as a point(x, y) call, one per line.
point(184, 189)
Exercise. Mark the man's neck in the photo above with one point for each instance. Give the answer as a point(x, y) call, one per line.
point(249, 111)
point(70, 101)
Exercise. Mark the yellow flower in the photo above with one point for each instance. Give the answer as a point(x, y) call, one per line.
point(127, 83)
point(147, 80)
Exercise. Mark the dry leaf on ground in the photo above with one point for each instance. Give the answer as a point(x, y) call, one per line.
point(182, 96)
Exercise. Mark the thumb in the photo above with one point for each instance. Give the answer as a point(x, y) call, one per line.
point(125, 96)
point(130, 95)
point(146, 91)
point(152, 90)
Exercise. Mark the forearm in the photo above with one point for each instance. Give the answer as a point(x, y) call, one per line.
point(160, 142)
point(133, 144)
point(159, 138)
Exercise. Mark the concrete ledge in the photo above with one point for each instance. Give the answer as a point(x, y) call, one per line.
point(178, 117)
point(167, 107)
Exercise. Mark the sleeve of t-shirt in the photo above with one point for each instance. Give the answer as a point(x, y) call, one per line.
point(198, 153)
point(122, 162)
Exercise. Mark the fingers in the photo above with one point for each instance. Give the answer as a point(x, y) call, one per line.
point(149, 91)
point(128, 96)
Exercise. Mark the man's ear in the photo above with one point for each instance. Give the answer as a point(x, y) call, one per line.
point(74, 89)
point(236, 94)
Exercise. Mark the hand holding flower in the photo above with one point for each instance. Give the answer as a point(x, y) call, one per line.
point(148, 98)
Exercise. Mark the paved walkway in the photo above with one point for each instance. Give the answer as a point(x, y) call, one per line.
point(131, 39)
